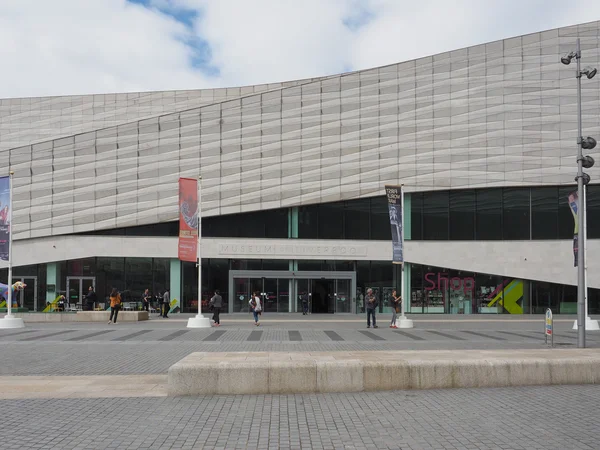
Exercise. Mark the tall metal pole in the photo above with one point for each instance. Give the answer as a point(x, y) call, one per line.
point(199, 253)
point(585, 283)
point(580, 215)
point(9, 294)
point(402, 276)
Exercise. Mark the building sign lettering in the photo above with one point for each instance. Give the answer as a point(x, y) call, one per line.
point(292, 250)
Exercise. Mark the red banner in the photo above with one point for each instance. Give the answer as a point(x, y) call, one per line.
point(188, 219)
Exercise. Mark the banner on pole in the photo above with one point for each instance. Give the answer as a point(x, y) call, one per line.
point(574, 205)
point(4, 217)
point(395, 206)
point(188, 220)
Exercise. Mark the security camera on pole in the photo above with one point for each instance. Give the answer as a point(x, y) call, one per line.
point(588, 143)
point(9, 321)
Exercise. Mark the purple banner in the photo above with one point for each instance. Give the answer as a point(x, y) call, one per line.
point(4, 217)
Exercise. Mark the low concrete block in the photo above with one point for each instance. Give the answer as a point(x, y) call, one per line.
point(103, 316)
point(340, 376)
point(276, 373)
point(292, 377)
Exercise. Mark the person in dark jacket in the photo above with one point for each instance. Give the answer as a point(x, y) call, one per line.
point(90, 299)
point(371, 305)
point(217, 303)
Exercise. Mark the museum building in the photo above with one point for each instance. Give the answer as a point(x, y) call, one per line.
point(293, 174)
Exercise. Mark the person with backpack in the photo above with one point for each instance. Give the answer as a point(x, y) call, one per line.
point(256, 307)
point(371, 305)
point(115, 305)
point(216, 302)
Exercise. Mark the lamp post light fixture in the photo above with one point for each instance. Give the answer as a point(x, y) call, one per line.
point(582, 179)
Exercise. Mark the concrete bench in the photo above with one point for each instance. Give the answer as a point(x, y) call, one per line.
point(82, 316)
point(303, 372)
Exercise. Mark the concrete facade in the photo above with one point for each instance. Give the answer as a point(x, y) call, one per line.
point(501, 114)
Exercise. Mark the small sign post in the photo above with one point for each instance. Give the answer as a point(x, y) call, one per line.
point(549, 328)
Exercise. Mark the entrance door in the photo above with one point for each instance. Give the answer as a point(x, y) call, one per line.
point(77, 288)
point(27, 298)
point(323, 296)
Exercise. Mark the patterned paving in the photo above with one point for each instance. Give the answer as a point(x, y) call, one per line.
point(528, 418)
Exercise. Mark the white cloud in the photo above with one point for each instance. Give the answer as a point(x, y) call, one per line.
point(75, 47)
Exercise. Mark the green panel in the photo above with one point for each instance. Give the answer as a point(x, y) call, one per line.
point(52, 277)
point(406, 287)
point(175, 284)
point(406, 218)
point(293, 223)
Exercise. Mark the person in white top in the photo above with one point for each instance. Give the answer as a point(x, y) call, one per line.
point(256, 307)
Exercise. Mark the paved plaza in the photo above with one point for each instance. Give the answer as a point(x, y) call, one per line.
point(96, 386)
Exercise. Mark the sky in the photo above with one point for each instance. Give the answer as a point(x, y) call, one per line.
point(69, 47)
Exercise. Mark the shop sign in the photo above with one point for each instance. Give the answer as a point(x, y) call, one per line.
point(465, 284)
point(292, 250)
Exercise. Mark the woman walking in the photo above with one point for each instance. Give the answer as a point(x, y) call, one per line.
point(256, 307)
point(396, 305)
point(115, 305)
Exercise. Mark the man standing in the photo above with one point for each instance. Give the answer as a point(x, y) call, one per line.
point(166, 303)
point(371, 305)
point(217, 303)
point(90, 299)
point(146, 301)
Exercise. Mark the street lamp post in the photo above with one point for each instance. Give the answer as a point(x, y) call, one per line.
point(582, 179)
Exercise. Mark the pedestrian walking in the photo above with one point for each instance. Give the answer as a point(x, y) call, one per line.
point(217, 303)
point(396, 305)
point(166, 303)
point(146, 300)
point(304, 298)
point(371, 305)
point(256, 307)
point(115, 305)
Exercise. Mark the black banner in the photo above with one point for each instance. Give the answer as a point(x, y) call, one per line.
point(395, 207)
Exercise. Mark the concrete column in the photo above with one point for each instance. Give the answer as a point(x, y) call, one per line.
point(293, 265)
point(52, 277)
point(175, 284)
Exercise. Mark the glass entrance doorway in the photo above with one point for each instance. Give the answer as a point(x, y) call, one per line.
point(77, 288)
point(283, 291)
point(27, 298)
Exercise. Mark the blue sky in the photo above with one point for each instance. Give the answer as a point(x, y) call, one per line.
point(96, 46)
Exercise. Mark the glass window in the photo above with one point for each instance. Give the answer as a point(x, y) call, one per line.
point(462, 215)
point(515, 214)
point(489, 215)
point(110, 274)
point(161, 275)
point(310, 265)
point(138, 274)
point(308, 222)
point(566, 224)
point(356, 219)
point(248, 225)
point(435, 215)
point(593, 211)
point(275, 264)
point(544, 213)
point(416, 216)
point(331, 221)
point(417, 298)
point(276, 223)
point(380, 219)
point(218, 278)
